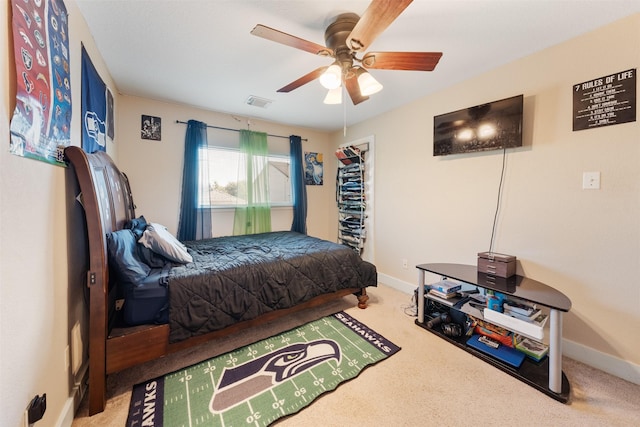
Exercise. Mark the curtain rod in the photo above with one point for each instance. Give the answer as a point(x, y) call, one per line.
point(238, 130)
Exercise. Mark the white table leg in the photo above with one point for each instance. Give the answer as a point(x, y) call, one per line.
point(555, 352)
point(421, 296)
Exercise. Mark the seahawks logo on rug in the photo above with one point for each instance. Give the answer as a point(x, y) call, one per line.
point(241, 383)
point(257, 384)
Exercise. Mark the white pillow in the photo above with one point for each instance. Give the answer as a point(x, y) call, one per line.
point(157, 238)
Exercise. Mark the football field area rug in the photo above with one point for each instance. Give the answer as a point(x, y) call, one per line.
point(261, 382)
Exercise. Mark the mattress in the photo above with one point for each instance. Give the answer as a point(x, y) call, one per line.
point(238, 278)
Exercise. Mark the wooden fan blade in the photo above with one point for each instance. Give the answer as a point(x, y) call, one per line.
point(378, 16)
point(418, 61)
point(354, 90)
point(303, 80)
point(289, 40)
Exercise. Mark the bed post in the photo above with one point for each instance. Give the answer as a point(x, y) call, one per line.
point(106, 205)
point(362, 298)
point(96, 281)
point(97, 348)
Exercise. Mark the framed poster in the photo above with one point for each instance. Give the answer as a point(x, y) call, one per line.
point(605, 101)
point(313, 168)
point(151, 128)
point(110, 120)
point(41, 122)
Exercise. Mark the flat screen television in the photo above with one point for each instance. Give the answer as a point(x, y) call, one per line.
point(490, 126)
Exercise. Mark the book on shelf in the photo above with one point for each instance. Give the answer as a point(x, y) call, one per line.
point(525, 317)
point(538, 318)
point(445, 286)
point(451, 301)
point(520, 307)
point(442, 294)
point(532, 348)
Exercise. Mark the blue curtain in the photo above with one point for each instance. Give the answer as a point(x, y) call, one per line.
point(298, 187)
point(195, 212)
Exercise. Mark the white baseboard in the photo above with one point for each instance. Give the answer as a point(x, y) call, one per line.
point(605, 362)
point(77, 394)
point(397, 284)
point(66, 415)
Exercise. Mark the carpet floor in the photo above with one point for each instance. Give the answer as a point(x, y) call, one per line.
point(429, 382)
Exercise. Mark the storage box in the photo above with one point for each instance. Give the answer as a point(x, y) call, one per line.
point(496, 264)
point(522, 327)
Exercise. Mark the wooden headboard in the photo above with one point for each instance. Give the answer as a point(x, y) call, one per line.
point(108, 205)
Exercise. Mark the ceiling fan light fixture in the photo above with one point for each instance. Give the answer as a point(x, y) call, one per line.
point(368, 84)
point(334, 96)
point(332, 77)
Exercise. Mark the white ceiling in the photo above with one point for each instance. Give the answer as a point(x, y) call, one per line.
point(201, 52)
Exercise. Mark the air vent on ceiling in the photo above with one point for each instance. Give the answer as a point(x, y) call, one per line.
point(256, 101)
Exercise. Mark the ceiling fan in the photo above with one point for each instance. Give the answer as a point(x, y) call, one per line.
point(345, 38)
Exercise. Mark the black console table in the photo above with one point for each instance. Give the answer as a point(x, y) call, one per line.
point(546, 375)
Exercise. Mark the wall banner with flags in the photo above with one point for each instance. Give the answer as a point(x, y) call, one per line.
point(41, 122)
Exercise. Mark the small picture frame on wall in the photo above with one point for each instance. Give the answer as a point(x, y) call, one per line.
point(110, 125)
point(313, 168)
point(151, 128)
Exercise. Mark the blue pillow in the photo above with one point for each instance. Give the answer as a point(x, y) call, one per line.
point(137, 225)
point(124, 257)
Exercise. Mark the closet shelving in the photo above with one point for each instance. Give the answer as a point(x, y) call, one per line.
point(350, 197)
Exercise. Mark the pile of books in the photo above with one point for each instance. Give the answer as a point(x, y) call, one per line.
point(445, 289)
point(525, 311)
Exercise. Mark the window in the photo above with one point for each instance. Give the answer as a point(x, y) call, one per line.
point(223, 178)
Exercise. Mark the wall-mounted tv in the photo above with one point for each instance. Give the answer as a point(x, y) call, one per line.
point(490, 126)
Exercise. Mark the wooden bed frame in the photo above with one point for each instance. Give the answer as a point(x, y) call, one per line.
point(108, 205)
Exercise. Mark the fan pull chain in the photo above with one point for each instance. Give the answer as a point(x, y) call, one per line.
point(344, 112)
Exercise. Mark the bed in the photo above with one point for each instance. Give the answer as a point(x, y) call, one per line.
point(227, 284)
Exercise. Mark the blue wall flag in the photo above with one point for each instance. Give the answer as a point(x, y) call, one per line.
point(94, 107)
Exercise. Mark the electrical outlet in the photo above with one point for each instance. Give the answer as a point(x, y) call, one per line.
point(591, 181)
point(405, 264)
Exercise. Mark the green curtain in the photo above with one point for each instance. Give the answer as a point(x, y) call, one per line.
point(253, 185)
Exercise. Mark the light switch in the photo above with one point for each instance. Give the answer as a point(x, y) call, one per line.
point(591, 181)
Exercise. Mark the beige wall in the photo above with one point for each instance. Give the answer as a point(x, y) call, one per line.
point(39, 282)
point(586, 243)
point(155, 167)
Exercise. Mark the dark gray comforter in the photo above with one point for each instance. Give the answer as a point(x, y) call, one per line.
point(232, 279)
